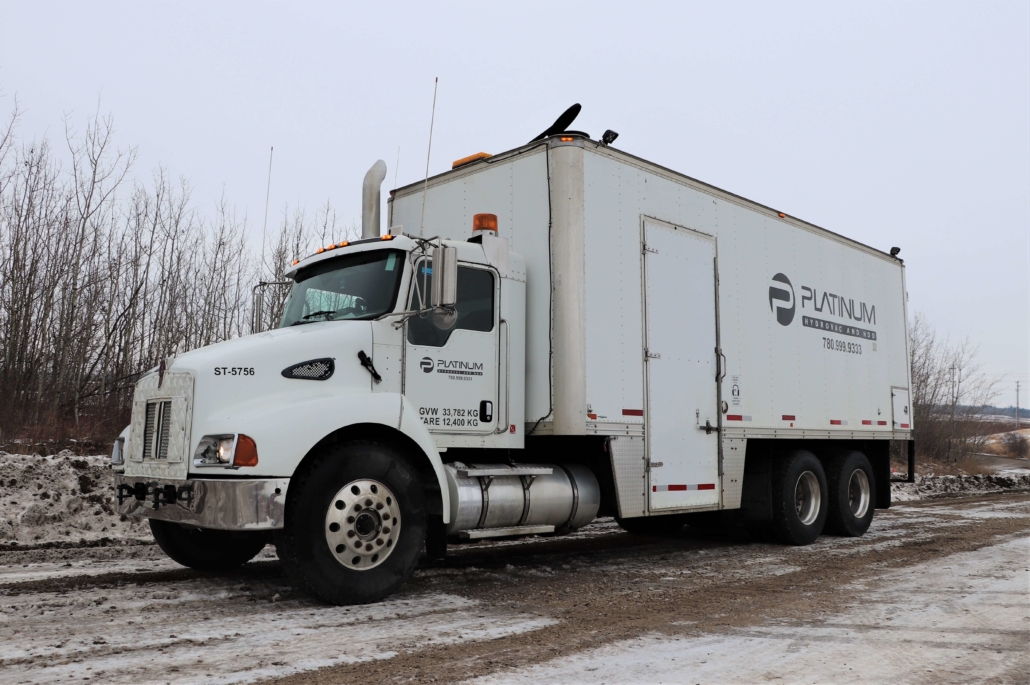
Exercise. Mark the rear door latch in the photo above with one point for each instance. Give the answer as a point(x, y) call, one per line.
point(708, 428)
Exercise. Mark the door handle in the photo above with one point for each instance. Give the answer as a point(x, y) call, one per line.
point(708, 428)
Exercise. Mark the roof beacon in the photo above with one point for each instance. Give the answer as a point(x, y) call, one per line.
point(482, 224)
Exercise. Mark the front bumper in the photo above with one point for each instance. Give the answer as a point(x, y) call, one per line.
point(225, 504)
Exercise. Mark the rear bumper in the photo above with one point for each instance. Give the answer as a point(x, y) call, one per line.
point(258, 504)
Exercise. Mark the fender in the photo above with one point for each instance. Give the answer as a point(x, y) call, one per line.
point(286, 432)
point(411, 426)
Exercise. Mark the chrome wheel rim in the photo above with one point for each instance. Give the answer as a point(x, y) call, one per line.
point(362, 524)
point(807, 498)
point(858, 493)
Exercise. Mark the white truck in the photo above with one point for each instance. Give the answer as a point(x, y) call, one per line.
point(580, 333)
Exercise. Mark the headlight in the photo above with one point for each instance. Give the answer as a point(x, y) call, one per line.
point(118, 452)
point(230, 451)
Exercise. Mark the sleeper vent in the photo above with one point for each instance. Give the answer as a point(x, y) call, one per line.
point(157, 424)
point(314, 370)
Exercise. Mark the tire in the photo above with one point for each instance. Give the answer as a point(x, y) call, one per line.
point(799, 498)
point(852, 491)
point(204, 549)
point(652, 526)
point(355, 523)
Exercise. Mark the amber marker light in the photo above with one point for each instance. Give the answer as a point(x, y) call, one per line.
point(466, 160)
point(320, 250)
point(246, 452)
point(386, 237)
point(565, 139)
point(296, 262)
point(484, 222)
point(782, 215)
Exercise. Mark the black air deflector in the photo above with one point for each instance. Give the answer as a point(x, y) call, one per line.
point(314, 370)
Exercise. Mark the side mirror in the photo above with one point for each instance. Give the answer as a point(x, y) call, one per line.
point(445, 277)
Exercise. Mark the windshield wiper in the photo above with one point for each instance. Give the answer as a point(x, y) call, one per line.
point(304, 319)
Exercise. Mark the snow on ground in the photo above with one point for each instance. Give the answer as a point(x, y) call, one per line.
point(205, 630)
point(962, 618)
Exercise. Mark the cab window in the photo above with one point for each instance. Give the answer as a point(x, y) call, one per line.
point(474, 306)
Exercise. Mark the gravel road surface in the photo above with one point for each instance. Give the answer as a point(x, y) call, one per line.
point(937, 591)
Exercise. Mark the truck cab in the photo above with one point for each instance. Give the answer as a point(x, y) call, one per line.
point(376, 354)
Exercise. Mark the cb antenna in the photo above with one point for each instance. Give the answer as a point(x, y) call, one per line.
point(268, 192)
point(425, 185)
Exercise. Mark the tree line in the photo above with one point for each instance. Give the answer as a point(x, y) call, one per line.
point(102, 275)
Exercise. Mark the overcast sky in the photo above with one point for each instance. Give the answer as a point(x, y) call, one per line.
point(892, 123)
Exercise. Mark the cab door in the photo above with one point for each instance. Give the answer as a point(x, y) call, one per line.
point(451, 374)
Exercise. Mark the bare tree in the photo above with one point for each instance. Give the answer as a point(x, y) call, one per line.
point(950, 393)
point(101, 278)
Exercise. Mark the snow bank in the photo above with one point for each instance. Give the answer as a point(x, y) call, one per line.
point(927, 487)
point(61, 500)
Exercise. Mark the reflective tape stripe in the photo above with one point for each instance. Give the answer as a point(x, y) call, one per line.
point(680, 488)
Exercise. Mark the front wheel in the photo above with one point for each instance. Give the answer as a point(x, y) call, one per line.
point(799, 498)
point(204, 549)
point(355, 524)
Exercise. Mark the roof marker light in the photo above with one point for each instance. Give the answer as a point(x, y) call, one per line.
point(386, 237)
point(320, 250)
point(468, 160)
point(296, 262)
point(782, 215)
point(565, 139)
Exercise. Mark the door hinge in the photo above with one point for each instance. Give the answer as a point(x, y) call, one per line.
point(652, 250)
point(651, 355)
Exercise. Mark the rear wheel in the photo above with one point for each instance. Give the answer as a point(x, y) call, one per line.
point(355, 524)
point(852, 494)
point(205, 549)
point(799, 502)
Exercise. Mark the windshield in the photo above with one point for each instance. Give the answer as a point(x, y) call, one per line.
point(357, 286)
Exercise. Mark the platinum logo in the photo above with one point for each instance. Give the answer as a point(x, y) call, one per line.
point(781, 300)
point(426, 365)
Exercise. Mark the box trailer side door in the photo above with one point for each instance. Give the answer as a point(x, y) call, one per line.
point(680, 369)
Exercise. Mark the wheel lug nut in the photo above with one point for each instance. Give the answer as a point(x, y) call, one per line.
point(368, 547)
point(368, 503)
point(379, 541)
point(350, 533)
point(386, 531)
point(350, 519)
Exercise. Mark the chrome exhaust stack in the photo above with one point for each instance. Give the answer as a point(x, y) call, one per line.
point(370, 196)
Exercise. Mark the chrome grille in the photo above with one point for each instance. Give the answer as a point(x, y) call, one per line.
point(149, 425)
point(162, 433)
point(156, 430)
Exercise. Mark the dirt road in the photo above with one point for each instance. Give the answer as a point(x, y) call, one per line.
point(937, 591)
